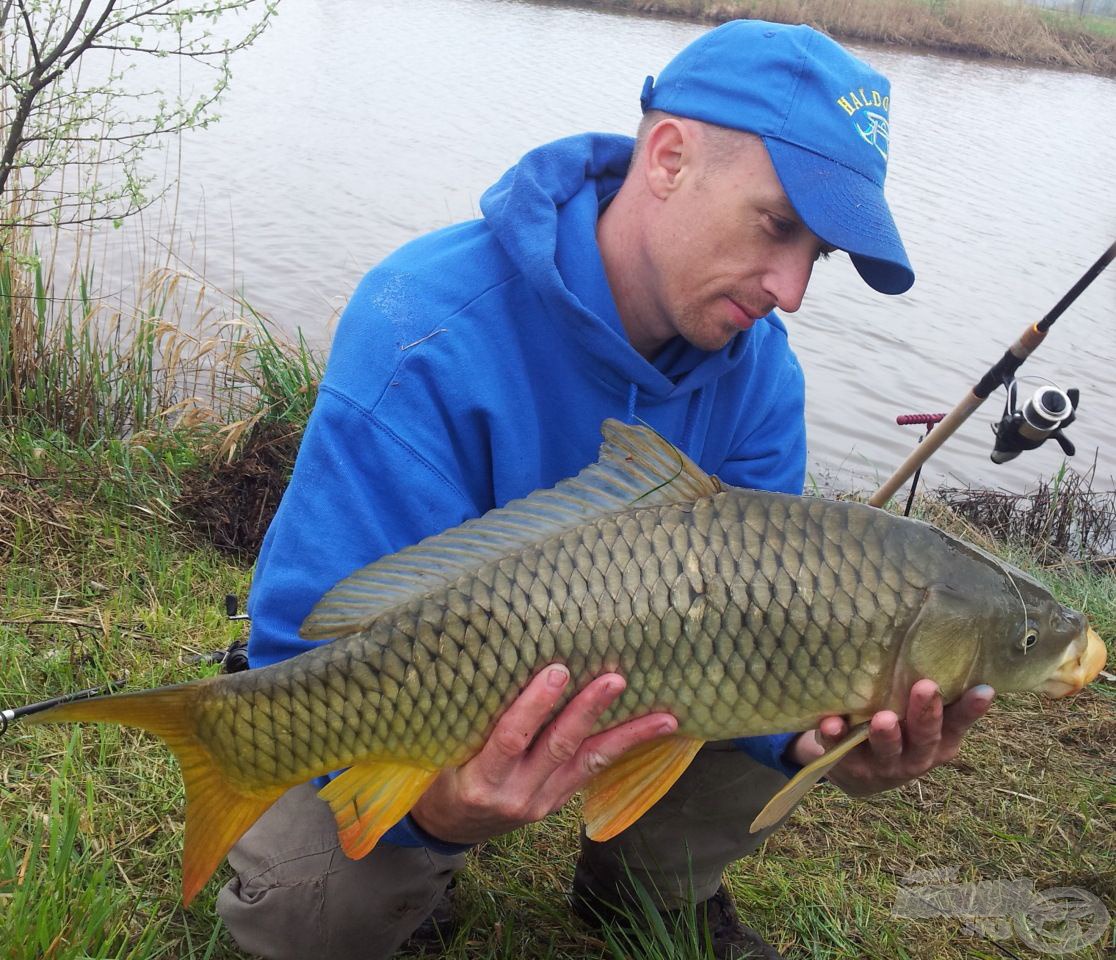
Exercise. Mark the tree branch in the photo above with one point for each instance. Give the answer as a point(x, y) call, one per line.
point(30, 34)
point(45, 125)
point(75, 25)
point(90, 36)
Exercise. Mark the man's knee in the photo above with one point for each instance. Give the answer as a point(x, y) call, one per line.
point(296, 894)
point(684, 842)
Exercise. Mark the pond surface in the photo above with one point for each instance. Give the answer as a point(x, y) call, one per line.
point(353, 126)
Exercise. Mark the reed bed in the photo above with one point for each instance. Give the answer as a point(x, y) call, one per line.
point(1061, 521)
point(68, 363)
point(190, 385)
point(987, 28)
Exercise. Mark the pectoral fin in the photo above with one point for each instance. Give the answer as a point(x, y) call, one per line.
point(623, 792)
point(789, 797)
point(370, 798)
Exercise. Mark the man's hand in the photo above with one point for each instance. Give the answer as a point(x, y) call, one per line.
point(520, 775)
point(897, 752)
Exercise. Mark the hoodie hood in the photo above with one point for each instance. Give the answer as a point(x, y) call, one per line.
point(544, 211)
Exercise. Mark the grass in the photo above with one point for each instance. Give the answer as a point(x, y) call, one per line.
point(1000, 29)
point(105, 572)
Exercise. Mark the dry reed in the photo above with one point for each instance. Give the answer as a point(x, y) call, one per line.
point(1061, 520)
point(990, 28)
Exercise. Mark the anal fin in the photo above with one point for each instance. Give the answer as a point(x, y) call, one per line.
point(370, 798)
point(791, 795)
point(623, 792)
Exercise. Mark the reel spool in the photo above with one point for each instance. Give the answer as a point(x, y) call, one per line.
point(1027, 425)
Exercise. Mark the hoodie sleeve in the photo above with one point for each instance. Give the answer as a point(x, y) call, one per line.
point(358, 492)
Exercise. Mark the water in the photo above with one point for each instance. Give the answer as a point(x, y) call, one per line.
point(353, 126)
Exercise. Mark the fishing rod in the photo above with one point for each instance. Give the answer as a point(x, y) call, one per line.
point(1023, 426)
point(7, 716)
point(233, 659)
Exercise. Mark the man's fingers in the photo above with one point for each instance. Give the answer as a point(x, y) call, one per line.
point(958, 717)
point(923, 725)
point(520, 723)
point(605, 748)
point(885, 736)
point(832, 730)
point(563, 738)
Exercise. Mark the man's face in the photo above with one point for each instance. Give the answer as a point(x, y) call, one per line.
point(728, 247)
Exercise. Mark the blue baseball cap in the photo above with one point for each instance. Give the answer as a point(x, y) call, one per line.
point(823, 116)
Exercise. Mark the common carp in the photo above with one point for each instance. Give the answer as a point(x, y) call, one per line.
point(740, 612)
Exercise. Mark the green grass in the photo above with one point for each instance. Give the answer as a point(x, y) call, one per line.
point(1101, 26)
point(70, 368)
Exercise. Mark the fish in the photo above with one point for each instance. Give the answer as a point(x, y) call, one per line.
point(741, 612)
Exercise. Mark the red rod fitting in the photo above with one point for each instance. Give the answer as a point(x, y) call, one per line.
point(907, 418)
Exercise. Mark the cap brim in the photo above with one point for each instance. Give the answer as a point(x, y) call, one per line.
point(846, 210)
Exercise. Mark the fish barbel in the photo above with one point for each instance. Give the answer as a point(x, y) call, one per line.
point(740, 612)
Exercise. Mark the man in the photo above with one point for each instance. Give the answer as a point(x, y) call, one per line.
point(476, 364)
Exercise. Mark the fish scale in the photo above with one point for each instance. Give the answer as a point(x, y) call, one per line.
point(739, 612)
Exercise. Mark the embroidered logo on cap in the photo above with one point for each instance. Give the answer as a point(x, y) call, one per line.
point(871, 124)
point(876, 132)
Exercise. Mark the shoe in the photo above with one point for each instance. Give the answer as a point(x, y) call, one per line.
point(730, 938)
point(437, 930)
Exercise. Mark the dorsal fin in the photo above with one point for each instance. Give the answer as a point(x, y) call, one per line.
point(635, 466)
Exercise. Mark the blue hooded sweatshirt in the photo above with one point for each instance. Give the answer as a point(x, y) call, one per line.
point(475, 365)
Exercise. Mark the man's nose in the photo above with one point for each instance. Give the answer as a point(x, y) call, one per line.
point(787, 279)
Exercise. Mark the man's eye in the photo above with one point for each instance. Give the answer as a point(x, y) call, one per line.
point(781, 227)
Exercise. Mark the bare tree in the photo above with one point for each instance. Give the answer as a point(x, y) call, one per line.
point(70, 109)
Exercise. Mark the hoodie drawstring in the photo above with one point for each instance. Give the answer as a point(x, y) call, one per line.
point(693, 415)
point(633, 390)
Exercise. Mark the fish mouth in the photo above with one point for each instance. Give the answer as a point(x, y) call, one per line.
point(1074, 673)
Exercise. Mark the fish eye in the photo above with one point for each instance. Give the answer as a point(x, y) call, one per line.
point(1030, 638)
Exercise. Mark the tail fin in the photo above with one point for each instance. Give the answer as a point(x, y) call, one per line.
point(217, 813)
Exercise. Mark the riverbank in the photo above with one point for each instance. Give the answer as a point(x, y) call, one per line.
point(134, 485)
point(983, 28)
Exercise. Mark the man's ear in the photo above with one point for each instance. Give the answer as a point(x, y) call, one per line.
point(667, 156)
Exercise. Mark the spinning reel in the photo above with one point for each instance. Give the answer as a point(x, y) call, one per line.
point(1041, 417)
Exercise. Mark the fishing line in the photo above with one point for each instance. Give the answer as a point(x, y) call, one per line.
point(677, 452)
point(1019, 594)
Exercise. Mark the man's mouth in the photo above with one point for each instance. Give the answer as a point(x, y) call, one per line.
point(742, 316)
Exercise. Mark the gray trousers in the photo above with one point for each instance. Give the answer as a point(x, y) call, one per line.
point(296, 895)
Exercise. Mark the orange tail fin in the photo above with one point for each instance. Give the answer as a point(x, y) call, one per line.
point(217, 812)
